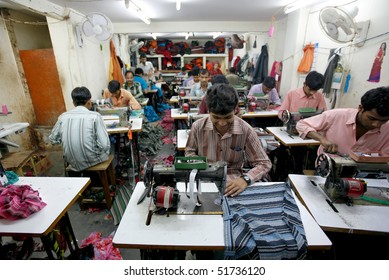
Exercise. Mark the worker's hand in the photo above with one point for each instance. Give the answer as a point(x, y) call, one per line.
point(235, 187)
point(329, 147)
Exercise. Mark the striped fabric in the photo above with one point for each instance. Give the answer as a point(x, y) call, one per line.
point(83, 136)
point(263, 222)
point(122, 197)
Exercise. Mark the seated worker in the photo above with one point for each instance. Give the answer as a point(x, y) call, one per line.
point(306, 97)
point(222, 136)
point(147, 67)
point(217, 79)
point(199, 89)
point(82, 133)
point(133, 87)
point(193, 77)
point(342, 130)
point(120, 97)
point(268, 86)
point(147, 84)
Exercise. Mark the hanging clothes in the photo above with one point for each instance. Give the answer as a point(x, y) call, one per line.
point(276, 72)
point(333, 61)
point(115, 71)
point(306, 61)
point(261, 67)
point(375, 73)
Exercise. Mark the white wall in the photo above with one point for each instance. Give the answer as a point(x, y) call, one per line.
point(303, 27)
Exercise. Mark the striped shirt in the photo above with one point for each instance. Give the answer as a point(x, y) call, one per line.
point(238, 144)
point(83, 136)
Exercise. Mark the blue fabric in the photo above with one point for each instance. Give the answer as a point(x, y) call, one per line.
point(263, 222)
point(150, 114)
point(163, 107)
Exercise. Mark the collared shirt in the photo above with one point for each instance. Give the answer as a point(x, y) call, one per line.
point(142, 82)
point(273, 94)
point(196, 90)
point(135, 89)
point(125, 99)
point(339, 126)
point(83, 136)
point(147, 69)
point(296, 99)
point(238, 144)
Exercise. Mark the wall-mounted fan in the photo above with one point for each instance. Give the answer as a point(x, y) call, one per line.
point(96, 27)
point(134, 46)
point(339, 24)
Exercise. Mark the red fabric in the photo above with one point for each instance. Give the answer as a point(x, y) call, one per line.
point(103, 247)
point(18, 202)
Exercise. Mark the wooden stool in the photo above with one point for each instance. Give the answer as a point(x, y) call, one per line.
point(107, 175)
point(19, 160)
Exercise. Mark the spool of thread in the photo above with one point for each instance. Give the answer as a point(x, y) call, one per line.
point(4, 109)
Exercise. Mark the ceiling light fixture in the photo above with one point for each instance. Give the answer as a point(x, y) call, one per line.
point(178, 5)
point(139, 12)
point(154, 36)
point(300, 4)
point(216, 34)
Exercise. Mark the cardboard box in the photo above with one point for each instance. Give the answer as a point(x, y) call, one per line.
point(42, 163)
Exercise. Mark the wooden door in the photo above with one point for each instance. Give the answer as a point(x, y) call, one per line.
point(42, 77)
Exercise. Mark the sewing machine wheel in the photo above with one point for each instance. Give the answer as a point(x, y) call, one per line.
point(285, 116)
point(148, 172)
point(323, 165)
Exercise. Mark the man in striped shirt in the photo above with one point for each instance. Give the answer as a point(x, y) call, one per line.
point(222, 136)
point(82, 133)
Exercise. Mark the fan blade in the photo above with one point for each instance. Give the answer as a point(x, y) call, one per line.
point(98, 19)
point(332, 30)
point(329, 16)
point(345, 27)
point(87, 28)
point(104, 36)
point(137, 46)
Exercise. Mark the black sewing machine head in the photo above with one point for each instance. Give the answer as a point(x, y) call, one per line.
point(340, 173)
point(290, 119)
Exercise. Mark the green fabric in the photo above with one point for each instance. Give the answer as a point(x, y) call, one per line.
point(12, 177)
point(122, 197)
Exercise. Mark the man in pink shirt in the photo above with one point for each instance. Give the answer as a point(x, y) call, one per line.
point(365, 129)
point(308, 96)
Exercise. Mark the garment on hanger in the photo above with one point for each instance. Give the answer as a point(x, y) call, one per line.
point(306, 61)
point(261, 67)
point(333, 61)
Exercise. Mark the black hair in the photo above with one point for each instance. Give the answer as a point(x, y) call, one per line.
point(221, 99)
point(314, 80)
point(129, 71)
point(377, 98)
point(232, 70)
point(139, 71)
point(80, 96)
point(113, 86)
point(204, 71)
point(219, 79)
point(269, 82)
point(142, 55)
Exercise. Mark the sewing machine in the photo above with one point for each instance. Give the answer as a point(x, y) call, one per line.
point(343, 175)
point(123, 113)
point(160, 181)
point(290, 119)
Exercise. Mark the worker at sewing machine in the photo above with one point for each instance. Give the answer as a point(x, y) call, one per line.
point(268, 86)
point(309, 96)
point(365, 129)
point(223, 136)
point(120, 97)
point(199, 89)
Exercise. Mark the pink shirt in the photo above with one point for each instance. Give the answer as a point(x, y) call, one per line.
point(296, 99)
point(339, 126)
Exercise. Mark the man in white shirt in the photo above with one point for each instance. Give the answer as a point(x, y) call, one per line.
point(147, 67)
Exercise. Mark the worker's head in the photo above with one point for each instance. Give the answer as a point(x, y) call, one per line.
point(129, 75)
point(268, 84)
point(313, 82)
point(374, 108)
point(82, 97)
point(219, 79)
point(221, 100)
point(143, 58)
point(114, 88)
point(232, 70)
point(204, 77)
point(139, 72)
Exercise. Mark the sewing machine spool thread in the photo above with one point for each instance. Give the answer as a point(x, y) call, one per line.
point(185, 108)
